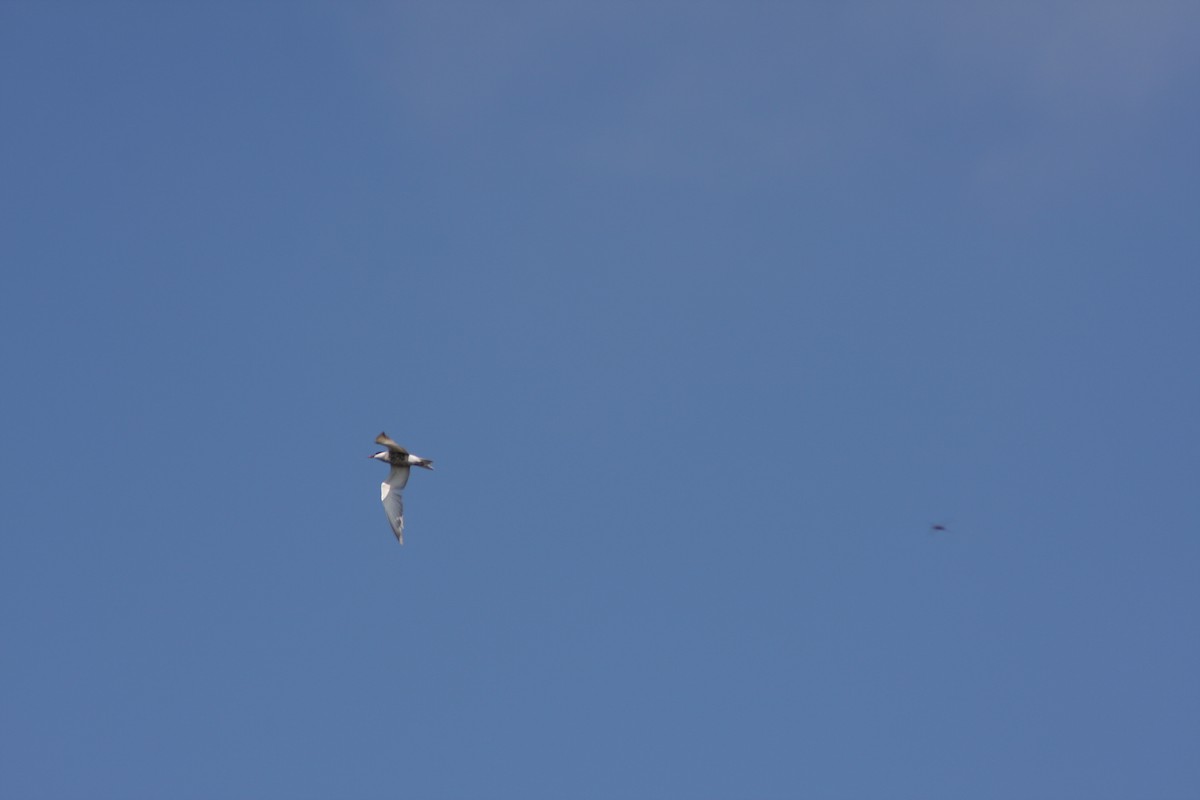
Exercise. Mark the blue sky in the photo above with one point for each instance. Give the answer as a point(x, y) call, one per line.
point(705, 313)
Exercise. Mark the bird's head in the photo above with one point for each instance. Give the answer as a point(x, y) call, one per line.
point(382, 456)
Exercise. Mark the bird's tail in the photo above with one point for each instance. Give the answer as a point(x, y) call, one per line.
point(426, 463)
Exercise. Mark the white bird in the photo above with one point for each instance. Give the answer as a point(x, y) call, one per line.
point(390, 491)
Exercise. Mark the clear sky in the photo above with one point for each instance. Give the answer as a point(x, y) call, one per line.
point(705, 312)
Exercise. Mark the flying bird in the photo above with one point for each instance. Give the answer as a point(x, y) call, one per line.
point(391, 490)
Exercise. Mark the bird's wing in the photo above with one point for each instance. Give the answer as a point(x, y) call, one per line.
point(387, 442)
point(391, 493)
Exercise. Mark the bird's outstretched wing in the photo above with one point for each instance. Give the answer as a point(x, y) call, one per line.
point(391, 493)
point(387, 442)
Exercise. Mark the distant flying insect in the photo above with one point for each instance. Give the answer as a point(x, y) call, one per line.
point(937, 527)
point(390, 490)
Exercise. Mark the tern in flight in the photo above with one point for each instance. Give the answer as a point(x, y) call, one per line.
point(391, 490)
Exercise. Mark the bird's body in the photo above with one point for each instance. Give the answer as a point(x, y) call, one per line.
point(391, 490)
